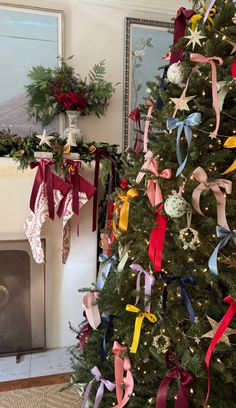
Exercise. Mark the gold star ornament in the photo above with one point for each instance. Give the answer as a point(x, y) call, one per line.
point(194, 37)
point(44, 138)
point(182, 103)
point(215, 326)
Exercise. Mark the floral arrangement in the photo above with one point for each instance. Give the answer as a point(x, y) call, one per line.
point(53, 91)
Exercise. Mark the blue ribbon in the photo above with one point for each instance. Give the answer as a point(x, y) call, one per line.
point(183, 293)
point(107, 335)
point(226, 235)
point(192, 120)
point(106, 264)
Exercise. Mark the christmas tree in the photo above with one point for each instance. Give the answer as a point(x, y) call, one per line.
point(166, 289)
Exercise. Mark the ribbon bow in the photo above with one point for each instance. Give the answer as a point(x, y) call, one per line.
point(124, 211)
point(103, 383)
point(106, 264)
point(82, 336)
point(102, 152)
point(121, 365)
point(91, 309)
point(211, 60)
point(184, 379)
point(183, 293)
point(138, 324)
point(153, 188)
point(52, 181)
point(149, 282)
point(192, 120)
point(226, 235)
point(200, 175)
point(218, 334)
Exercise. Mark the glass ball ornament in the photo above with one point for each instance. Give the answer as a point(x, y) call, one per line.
point(175, 206)
point(175, 73)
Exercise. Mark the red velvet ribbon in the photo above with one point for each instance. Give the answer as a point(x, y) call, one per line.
point(102, 152)
point(218, 334)
point(78, 184)
point(182, 17)
point(135, 116)
point(233, 68)
point(183, 378)
point(84, 334)
point(52, 181)
point(156, 242)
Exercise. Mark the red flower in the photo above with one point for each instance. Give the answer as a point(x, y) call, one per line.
point(124, 183)
point(77, 99)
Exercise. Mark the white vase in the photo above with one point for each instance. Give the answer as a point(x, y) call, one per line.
point(73, 126)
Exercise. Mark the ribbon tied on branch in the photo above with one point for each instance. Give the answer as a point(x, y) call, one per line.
point(122, 365)
point(157, 238)
point(216, 187)
point(183, 125)
point(176, 373)
point(124, 211)
point(226, 235)
point(138, 324)
point(149, 282)
point(106, 264)
point(103, 383)
point(91, 309)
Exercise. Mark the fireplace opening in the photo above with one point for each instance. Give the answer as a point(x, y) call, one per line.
point(22, 299)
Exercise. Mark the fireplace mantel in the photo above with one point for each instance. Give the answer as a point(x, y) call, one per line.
point(63, 302)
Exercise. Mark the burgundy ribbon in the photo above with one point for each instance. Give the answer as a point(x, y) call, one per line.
point(86, 329)
point(135, 116)
point(183, 378)
point(156, 242)
point(52, 181)
point(182, 17)
point(102, 152)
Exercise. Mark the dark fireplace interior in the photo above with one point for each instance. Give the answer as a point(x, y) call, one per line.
point(22, 320)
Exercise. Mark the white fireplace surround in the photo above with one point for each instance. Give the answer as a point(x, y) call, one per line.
point(63, 301)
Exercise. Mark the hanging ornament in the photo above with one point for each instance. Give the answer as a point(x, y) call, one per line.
point(189, 233)
point(44, 138)
point(175, 206)
point(161, 343)
point(175, 73)
point(182, 102)
point(234, 18)
point(214, 326)
point(194, 38)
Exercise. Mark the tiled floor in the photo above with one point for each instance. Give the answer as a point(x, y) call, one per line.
point(35, 365)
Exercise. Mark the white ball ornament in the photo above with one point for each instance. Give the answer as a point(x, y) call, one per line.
point(175, 206)
point(175, 73)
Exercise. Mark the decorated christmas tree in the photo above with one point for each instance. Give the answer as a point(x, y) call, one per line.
point(161, 321)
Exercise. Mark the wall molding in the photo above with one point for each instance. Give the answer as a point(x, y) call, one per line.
point(150, 6)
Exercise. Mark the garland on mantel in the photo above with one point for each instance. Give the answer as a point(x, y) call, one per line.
point(22, 149)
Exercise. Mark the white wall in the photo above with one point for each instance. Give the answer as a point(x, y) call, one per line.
point(92, 32)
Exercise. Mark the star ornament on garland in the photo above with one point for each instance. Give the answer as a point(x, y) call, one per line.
point(215, 326)
point(44, 138)
point(194, 37)
point(182, 103)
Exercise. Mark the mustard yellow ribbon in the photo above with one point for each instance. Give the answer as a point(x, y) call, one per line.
point(115, 215)
point(230, 143)
point(138, 324)
point(194, 20)
point(124, 212)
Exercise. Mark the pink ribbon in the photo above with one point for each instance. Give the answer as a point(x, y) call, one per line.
point(90, 307)
point(149, 282)
point(208, 10)
point(200, 175)
point(211, 60)
point(153, 189)
point(124, 387)
point(218, 334)
point(147, 124)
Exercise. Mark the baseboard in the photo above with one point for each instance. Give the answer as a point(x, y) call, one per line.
point(35, 382)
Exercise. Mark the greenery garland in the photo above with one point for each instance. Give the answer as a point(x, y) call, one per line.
point(22, 149)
